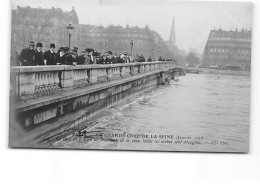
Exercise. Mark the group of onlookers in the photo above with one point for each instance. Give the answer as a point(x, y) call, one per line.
point(64, 56)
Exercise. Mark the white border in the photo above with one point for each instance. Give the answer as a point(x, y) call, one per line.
point(65, 166)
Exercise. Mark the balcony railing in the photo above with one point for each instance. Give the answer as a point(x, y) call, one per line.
point(33, 81)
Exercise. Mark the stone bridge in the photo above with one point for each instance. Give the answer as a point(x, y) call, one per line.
point(61, 94)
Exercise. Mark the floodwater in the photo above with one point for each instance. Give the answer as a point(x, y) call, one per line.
point(196, 112)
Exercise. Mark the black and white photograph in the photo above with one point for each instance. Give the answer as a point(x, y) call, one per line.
point(133, 75)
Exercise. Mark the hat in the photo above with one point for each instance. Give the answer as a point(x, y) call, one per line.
point(75, 48)
point(66, 49)
point(73, 52)
point(62, 49)
point(125, 53)
point(89, 50)
point(96, 53)
point(39, 45)
point(52, 45)
point(84, 51)
point(31, 43)
point(110, 52)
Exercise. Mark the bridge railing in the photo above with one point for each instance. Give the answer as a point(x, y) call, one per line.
point(33, 81)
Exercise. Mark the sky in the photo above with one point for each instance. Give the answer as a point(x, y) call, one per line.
point(193, 20)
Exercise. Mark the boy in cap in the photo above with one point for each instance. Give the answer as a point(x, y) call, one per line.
point(50, 55)
point(27, 55)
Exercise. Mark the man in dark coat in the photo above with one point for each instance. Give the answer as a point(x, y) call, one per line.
point(61, 58)
point(100, 60)
point(67, 58)
point(81, 58)
point(142, 59)
point(106, 58)
point(50, 55)
point(125, 57)
point(39, 55)
point(110, 57)
point(90, 56)
point(27, 55)
point(149, 59)
point(114, 59)
point(71, 56)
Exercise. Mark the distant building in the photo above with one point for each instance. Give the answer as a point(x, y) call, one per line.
point(172, 41)
point(118, 38)
point(228, 49)
point(49, 26)
point(42, 25)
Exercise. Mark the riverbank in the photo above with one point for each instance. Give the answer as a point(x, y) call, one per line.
point(221, 72)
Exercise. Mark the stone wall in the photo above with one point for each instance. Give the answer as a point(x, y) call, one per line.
point(50, 121)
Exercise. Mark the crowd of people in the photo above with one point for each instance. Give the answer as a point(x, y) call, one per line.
point(64, 56)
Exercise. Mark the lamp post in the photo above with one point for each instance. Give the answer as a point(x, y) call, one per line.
point(132, 44)
point(69, 33)
point(152, 54)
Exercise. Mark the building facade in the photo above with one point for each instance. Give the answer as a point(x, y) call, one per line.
point(228, 49)
point(49, 26)
point(118, 39)
point(42, 25)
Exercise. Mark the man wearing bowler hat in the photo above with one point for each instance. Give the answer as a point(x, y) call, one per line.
point(39, 54)
point(27, 55)
point(50, 56)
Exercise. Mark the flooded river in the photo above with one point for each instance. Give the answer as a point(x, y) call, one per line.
point(196, 112)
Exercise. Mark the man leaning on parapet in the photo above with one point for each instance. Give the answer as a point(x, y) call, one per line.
point(39, 60)
point(50, 55)
point(27, 55)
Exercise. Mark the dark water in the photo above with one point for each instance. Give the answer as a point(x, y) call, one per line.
point(209, 112)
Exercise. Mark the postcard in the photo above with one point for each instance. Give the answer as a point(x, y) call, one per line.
point(140, 75)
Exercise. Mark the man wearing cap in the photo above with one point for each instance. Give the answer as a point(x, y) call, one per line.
point(110, 56)
point(73, 56)
point(81, 57)
point(125, 57)
point(39, 55)
point(61, 57)
point(106, 59)
point(49, 55)
point(75, 49)
point(114, 59)
point(68, 57)
point(27, 55)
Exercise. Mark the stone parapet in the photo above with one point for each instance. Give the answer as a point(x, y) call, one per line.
point(29, 82)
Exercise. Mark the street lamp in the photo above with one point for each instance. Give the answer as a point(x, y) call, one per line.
point(69, 33)
point(131, 43)
point(152, 54)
